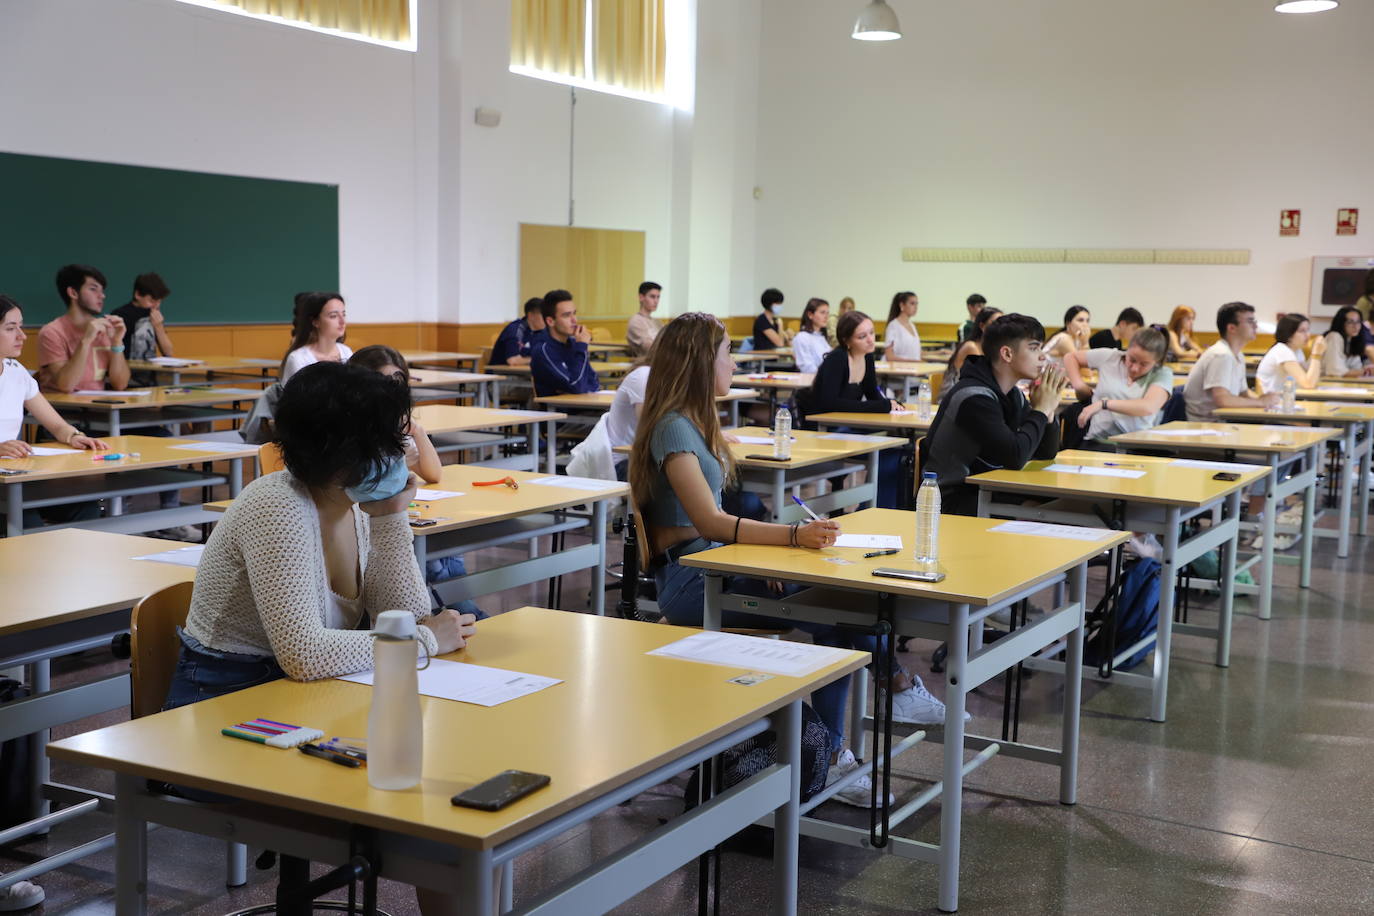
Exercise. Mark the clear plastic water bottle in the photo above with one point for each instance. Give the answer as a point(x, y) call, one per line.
point(928, 523)
point(1290, 394)
point(395, 732)
point(782, 433)
point(923, 400)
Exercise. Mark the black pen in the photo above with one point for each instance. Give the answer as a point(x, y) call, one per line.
point(315, 750)
point(881, 553)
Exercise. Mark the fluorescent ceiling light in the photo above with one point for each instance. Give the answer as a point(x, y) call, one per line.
point(1305, 6)
point(877, 23)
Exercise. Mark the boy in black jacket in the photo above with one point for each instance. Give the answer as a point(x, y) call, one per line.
point(986, 423)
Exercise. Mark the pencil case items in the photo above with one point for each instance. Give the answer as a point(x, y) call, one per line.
point(272, 734)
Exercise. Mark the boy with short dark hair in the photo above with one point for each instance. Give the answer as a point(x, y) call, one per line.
point(986, 423)
point(559, 361)
point(82, 349)
point(643, 327)
point(512, 347)
point(975, 305)
point(1119, 335)
point(1219, 379)
point(145, 335)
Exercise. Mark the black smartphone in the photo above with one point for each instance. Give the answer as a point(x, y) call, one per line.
point(107, 400)
point(422, 522)
point(912, 574)
point(1226, 475)
point(502, 789)
point(766, 458)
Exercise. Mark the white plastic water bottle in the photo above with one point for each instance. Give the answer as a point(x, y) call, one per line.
point(395, 733)
point(1290, 394)
point(928, 523)
point(923, 400)
point(782, 433)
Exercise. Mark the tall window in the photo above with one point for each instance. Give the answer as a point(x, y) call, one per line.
point(616, 46)
point(388, 22)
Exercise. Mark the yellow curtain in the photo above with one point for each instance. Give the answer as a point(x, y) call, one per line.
point(549, 35)
point(385, 20)
point(630, 48)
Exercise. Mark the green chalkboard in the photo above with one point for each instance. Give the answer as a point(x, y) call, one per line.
point(233, 250)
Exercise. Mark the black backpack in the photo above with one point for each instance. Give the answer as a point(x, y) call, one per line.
point(16, 765)
point(1126, 614)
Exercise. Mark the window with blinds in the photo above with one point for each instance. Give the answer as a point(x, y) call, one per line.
point(388, 22)
point(618, 46)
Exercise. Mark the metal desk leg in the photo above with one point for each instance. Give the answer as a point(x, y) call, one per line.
point(1348, 469)
point(1159, 697)
point(734, 413)
point(40, 681)
point(475, 886)
point(1228, 582)
point(131, 848)
point(873, 476)
point(779, 493)
point(235, 476)
point(787, 725)
point(710, 611)
point(1309, 510)
point(421, 551)
point(1363, 481)
point(14, 510)
point(114, 421)
point(952, 798)
point(532, 441)
point(507, 887)
point(1073, 692)
point(552, 447)
point(599, 571)
point(482, 400)
point(1271, 511)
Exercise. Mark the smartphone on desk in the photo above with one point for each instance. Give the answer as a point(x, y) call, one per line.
point(499, 791)
point(768, 458)
point(1228, 476)
point(107, 400)
point(915, 575)
point(422, 522)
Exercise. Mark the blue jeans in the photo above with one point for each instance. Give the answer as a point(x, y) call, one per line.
point(682, 597)
point(203, 673)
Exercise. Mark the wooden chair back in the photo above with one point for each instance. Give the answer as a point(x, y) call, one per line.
point(601, 335)
point(937, 381)
point(154, 646)
point(483, 359)
point(269, 458)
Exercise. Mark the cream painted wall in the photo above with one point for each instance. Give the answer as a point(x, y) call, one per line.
point(1070, 123)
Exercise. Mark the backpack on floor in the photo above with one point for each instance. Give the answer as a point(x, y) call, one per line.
point(16, 765)
point(760, 752)
point(1126, 614)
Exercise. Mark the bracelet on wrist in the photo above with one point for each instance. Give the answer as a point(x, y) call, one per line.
point(117, 348)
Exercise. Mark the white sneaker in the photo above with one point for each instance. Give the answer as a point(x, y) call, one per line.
point(916, 706)
point(20, 896)
point(858, 793)
point(1290, 516)
point(1145, 546)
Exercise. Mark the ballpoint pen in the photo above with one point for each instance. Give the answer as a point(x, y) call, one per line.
point(881, 553)
point(807, 509)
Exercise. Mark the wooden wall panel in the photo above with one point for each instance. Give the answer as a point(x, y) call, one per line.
point(602, 268)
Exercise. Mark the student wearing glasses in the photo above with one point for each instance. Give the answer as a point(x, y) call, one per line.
point(1219, 378)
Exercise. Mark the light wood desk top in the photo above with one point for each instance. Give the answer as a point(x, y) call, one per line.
point(1347, 380)
point(619, 713)
point(1356, 394)
point(1165, 483)
point(170, 396)
point(905, 423)
point(438, 356)
point(982, 566)
point(447, 418)
point(1306, 411)
point(204, 365)
point(811, 448)
point(600, 368)
point(53, 577)
point(1240, 437)
point(753, 356)
point(607, 346)
point(778, 381)
point(906, 369)
point(601, 400)
point(443, 378)
point(153, 451)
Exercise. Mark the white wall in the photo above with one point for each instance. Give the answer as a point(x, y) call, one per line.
point(158, 83)
point(1061, 123)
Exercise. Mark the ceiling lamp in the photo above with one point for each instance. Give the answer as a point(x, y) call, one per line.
point(877, 23)
point(1305, 6)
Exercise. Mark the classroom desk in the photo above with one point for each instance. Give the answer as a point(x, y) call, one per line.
point(168, 407)
point(1293, 456)
point(598, 402)
point(1356, 423)
point(757, 360)
point(453, 421)
point(442, 358)
point(49, 613)
point(605, 349)
point(1157, 503)
point(602, 369)
point(207, 367)
point(773, 383)
point(588, 734)
point(986, 570)
point(52, 480)
point(908, 424)
point(904, 373)
point(1354, 394)
point(487, 386)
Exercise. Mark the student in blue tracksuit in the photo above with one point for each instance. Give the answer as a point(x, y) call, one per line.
point(559, 361)
point(512, 347)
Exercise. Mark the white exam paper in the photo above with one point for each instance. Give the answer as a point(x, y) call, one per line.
point(1047, 530)
point(430, 495)
point(759, 440)
point(1092, 471)
point(173, 361)
point(1183, 432)
point(39, 451)
point(852, 437)
point(575, 483)
point(526, 413)
point(1337, 389)
point(465, 683)
point(870, 541)
point(136, 393)
point(1216, 465)
point(752, 653)
point(739, 391)
point(182, 556)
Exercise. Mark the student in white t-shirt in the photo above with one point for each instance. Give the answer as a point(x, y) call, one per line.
point(19, 392)
point(1132, 385)
point(1219, 379)
point(1285, 358)
point(903, 341)
point(810, 344)
point(317, 332)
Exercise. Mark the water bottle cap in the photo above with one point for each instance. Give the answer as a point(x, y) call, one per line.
point(929, 475)
point(394, 625)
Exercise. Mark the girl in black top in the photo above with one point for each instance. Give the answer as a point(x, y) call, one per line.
point(769, 333)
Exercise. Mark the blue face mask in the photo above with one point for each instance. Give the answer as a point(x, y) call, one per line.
point(384, 482)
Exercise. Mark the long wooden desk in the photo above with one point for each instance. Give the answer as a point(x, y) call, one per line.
point(208, 367)
point(986, 571)
point(597, 754)
point(67, 591)
point(905, 374)
point(167, 407)
point(773, 384)
point(449, 423)
point(1356, 423)
point(1356, 394)
point(1159, 502)
point(601, 368)
point(52, 480)
point(486, 386)
point(1293, 456)
point(598, 402)
point(442, 358)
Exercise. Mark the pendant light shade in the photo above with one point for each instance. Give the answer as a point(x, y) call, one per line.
point(877, 23)
point(1305, 6)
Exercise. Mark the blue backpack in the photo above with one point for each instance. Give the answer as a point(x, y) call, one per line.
point(1126, 614)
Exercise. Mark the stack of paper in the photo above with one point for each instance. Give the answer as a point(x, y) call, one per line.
point(1093, 471)
point(467, 683)
point(752, 653)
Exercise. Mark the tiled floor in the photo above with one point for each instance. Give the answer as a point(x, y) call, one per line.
point(1254, 798)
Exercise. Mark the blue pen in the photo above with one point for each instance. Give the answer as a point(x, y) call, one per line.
point(797, 499)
